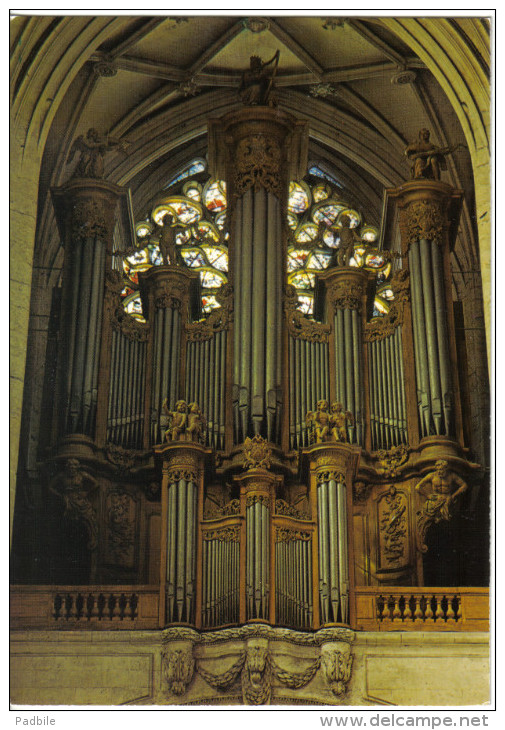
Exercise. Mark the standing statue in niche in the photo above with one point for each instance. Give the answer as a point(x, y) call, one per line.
point(339, 420)
point(348, 237)
point(257, 82)
point(445, 486)
point(427, 159)
point(74, 486)
point(166, 240)
point(92, 150)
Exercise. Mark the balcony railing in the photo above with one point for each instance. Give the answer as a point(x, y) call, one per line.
point(137, 607)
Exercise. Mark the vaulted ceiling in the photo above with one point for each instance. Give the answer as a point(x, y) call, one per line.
point(155, 81)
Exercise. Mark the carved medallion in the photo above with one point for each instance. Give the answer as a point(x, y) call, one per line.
point(257, 453)
point(257, 165)
point(424, 221)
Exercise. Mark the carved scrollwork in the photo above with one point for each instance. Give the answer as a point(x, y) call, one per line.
point(217, 321)
point(231, 533)
point(130, 327)
point(393, 527)
point(330, 475)
point(424, 220)
point(261, 498)
point(120, 528)
point(299, 325)
point(184, 464)
point(227, 510)
point(391, 461)
point(257, 453)
point(283, 534)
point(283, 508)
point(381, 327)
point(258, 165)
point(176, 474)
point(178, 668)
point(123, 459)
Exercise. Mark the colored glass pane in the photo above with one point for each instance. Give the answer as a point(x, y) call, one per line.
point(353, 216)
point(143, 230)
point(317, 172)
point(211, 279)
point(381, 305)
point(193, 258)
point(305, 304)
point(303, 280)
point(369, 234)
point(298, 200)
point(216, 257)
point(215, 197)
point(319, 261)
point(321, 192)
point(306, 233)
point(374, 261)
point(331, 238)
point(193, 169)
point(209, 302)
point(296, 259)
point(327, 214)
point(292, 220)
point(220, 220)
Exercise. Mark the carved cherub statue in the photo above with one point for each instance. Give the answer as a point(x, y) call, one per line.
point(257, 82)
point(166, 240)
point(177, 420)
point(445, 488)
point(348, 237)
point(196, 422)
point(427, 159)
point(318, 423)
point(92, 149)
point(339, 419)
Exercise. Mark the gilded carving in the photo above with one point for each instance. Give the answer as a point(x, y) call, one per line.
point(391, 461)
point(178, 668)
point(324, 426)
point(261, 498)
point(230, 533)
point(337, 667)
point(217, 321)
point(90, 218)
point(130, 327)
point(227, 510)
point(258, 165)
point(74, 486)
point(242, 633)
point(393, 527)
point(445, 487)
point(183, 464)
point(257, 453)
point(283, 534)
point(186, 423)
point(330, 475)
point(287, 510)
point(299, 325)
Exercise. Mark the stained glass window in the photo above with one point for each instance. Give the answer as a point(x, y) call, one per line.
point(193, 168)
point(198, 216)
point(316, 217)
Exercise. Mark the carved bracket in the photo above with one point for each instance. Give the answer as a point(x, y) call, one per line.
point(299, 325)
point(217, 321)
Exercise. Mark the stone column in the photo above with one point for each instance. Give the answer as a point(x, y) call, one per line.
point(85, 211)
point(181, 504)
point(346, 301)
point(165, 292)
point(259, 160)
point(332, 471)
point(429, 213)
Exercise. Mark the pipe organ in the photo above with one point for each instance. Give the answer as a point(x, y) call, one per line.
point(288, 448)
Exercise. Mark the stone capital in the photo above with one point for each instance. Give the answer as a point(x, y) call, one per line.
point(163, 287)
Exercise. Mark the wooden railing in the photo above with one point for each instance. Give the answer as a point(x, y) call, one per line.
point(93, 607)
point(395, 608)
point(137, 607)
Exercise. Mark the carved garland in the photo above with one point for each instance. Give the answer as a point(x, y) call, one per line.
point(299, 325)
point(261, 498)
point(217, 321)
point(329, 475)
point(381, 327)
point(283, 508)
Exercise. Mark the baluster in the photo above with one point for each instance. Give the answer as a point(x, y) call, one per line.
point(459, 612)
point(428, 614)
point(407, 611)
point(397, 614)
point(418, 614)
point(439, 613)
point(450, 610)
point(386, 612)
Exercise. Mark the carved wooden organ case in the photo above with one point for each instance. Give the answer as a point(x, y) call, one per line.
point(253, 514)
